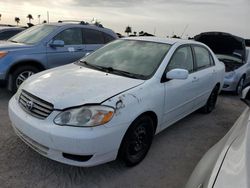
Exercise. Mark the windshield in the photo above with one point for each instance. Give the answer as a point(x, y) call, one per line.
point(138, 59)
point(34, 34)
point(229, 58)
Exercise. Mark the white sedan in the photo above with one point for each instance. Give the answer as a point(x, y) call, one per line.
point(112, 102)
point(226, 164)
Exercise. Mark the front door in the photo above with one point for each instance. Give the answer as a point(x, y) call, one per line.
point(72, 50)
point(179, 94)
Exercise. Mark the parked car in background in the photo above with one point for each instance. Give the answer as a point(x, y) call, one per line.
point(46, 46)
point(113, 101)
point(232, 51)
point(8, 32)
point(226, 165)
point(247, 41)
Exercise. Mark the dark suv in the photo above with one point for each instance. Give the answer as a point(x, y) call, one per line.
point(8, 32)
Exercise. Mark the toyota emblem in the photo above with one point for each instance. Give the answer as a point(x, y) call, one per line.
point(29, 105)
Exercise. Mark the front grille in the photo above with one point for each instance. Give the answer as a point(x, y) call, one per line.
point(35, 106)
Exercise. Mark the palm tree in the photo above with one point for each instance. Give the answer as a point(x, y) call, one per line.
point(39, 16)
point(141, 33)
point(17, 20)
point(30, 17)
point(128, 30)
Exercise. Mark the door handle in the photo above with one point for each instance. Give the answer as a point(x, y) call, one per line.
point(79, 49)
point(195, 79)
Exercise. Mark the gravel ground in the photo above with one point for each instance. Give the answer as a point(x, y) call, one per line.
point(170, 161)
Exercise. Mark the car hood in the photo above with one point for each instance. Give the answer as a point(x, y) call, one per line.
point(224, 44)
point(235, 168)
point(73, 85)
point(7, 45)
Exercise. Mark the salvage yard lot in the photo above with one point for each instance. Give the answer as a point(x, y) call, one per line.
point(171, 159)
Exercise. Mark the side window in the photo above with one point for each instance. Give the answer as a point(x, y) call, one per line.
point(93, 37)
point(4, 35)
point(7, 34)
point(107, 38)
point(182, 59)
point(211, 60)
point(203, 57)
point(71, 36)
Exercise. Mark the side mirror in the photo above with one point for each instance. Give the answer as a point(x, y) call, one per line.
point(57, 43)
point(245, 97)
point(179, 74)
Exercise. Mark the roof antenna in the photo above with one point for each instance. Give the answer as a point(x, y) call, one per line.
point(186, 27)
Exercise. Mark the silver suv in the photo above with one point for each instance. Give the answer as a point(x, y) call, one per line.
point(46, 46)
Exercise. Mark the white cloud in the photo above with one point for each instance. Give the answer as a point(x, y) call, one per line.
point(164, 16)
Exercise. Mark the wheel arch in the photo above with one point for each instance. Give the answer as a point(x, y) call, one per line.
point(34, 63)
point(244, 76)
point(151, 114)
point(217, 85)
point(14, 67)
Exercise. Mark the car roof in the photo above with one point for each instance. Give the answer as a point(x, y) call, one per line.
point(170, 41)
point(90, 26)
point(11, 28)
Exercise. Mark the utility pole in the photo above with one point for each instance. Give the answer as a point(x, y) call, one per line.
point(48, 16)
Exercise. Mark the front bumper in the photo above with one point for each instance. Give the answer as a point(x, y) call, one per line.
point(96, 145)
point(230, 84)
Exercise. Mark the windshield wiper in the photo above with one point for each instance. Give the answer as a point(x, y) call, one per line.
point(123, 73)
point(91, 65)
point(115, 71)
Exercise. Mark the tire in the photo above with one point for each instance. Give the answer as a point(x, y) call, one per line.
point(137, 141)
point(240, 86)
point(20, 74)
point(211, 102)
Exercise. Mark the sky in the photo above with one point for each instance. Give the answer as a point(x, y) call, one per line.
point(160, 17)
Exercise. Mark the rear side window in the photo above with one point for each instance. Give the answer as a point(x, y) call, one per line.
point(203, 57)
point(71, 36)
point(8, 34)
point(93, 37)
point(182, 59)
point(108, 38)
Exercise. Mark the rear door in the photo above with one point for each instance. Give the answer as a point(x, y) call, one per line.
point(93, 39)
point(73, 49)
point(205, 74)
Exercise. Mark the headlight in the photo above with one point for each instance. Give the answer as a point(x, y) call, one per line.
point(229, 74)
point(3, 53)
point(85, 116)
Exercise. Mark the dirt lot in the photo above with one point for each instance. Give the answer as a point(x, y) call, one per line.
point(172, 157)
